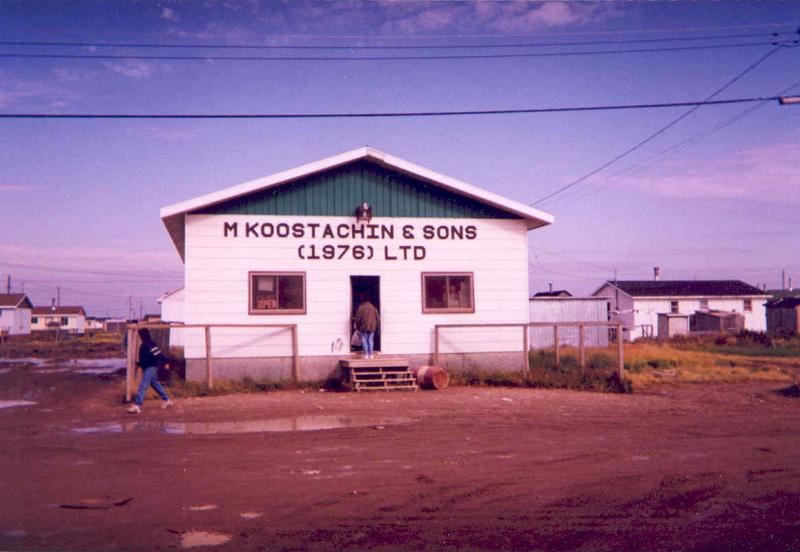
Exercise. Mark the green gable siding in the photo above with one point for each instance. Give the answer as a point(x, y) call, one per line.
point(339, 191)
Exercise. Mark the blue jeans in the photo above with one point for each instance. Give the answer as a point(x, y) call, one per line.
point(149, 379)
point(368, 342)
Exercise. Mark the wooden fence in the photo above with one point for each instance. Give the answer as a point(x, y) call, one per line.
point(525, 335)
point(133, 347)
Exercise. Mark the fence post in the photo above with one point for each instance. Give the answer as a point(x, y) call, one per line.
point(525, 347)
point(436, 345)
point(581, 347)
point(209, 373)
point(620, 352)
point(130, 362)
point(295, 356)
point(555, 341)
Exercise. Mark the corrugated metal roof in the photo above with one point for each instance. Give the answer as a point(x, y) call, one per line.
point(686, 288)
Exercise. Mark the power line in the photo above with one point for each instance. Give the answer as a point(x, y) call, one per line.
point(445, 57)
point(659, 131)
point(392, 114)
point(85, 271)
point(218, 46)
point(675, 147)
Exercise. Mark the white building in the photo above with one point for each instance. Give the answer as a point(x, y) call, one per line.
point(172, 310)
point(65, 319)
point(637, 303)
point(15, 314)
point(289, 249)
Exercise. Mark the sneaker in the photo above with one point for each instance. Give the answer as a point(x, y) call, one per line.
point(134, 409)
point(167, 404)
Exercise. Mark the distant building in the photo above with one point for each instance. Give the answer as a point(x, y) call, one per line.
point(670, 325)
point(783, 316)
point(565, 308)
point(94, 324)
point(172, 310)
point(66, 319)
point(15, 314)
point(115, 325)
point(637, 303)
point(553, 293)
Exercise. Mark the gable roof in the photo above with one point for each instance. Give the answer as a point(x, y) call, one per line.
point(59, 311)
point(685, 288)
point(554, 293)
point(15, 300)
point(173, 216)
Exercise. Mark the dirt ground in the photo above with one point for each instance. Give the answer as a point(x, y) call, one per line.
point(690, 467)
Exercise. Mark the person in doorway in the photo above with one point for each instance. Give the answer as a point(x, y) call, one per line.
point(150, 359)
point(367, 320)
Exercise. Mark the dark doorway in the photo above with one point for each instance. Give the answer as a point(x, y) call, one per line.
point(365, 288)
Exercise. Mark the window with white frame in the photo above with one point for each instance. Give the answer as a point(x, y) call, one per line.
point(748, 305)
point(447, 292)
point(277, 293)
point(673, 307)
point(703, 304)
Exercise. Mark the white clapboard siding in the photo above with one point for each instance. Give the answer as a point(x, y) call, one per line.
point(217, 286)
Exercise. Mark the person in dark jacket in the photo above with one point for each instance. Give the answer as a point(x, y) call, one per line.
point(367, 321)
point(150, 360)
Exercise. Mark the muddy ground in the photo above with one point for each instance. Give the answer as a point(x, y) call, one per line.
point(689, 467)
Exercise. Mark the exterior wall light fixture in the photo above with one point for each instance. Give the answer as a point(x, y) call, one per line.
point(364, 212)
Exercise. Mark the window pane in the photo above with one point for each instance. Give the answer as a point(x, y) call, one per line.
point(264, 296)
point(435, 292)
point(459, 295)
point(290, 292)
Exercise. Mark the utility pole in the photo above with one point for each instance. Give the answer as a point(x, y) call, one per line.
point(8, 284)
point(58, 296)
point(130, 307)
point(783, 280)
point(141, 309)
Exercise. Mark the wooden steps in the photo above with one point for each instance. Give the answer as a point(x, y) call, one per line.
point(378, 374)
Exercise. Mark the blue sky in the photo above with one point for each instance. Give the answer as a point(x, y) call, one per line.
point(79, 199)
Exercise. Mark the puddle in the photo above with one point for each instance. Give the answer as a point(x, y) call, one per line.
point(203, 508)
point(11, 404)
point(23, 361)
point(275, 425)
point(15, 533)
point(296, 423)
point(251, 515)
point(4, 371)
point(203, 538)
point(97, 366)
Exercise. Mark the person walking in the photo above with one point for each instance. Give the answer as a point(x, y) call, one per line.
point(367, 320)
point(150, 359)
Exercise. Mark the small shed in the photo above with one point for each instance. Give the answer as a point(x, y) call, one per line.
point(783, 316)
point(549, 308)
point(670, 325)
point(717, 321)
point(15, 314)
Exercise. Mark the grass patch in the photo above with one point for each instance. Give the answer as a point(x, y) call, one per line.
point(69, 346)
point(600, 374)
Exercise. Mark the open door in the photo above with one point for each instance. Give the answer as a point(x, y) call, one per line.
point(365, 288)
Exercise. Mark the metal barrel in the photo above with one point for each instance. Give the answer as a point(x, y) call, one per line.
point(432, 377)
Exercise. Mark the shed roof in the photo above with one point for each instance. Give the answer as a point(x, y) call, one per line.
point(785, 303)
point(58, 311)
point(173, 216)
point(554, 293)
point(686, 288)
point(15, 301)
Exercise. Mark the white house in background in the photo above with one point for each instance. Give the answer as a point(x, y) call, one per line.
point(15, 313)
point(173, 310)
point(66, 319)
point(637, 303)
point(94, 324)
point(302, 246)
